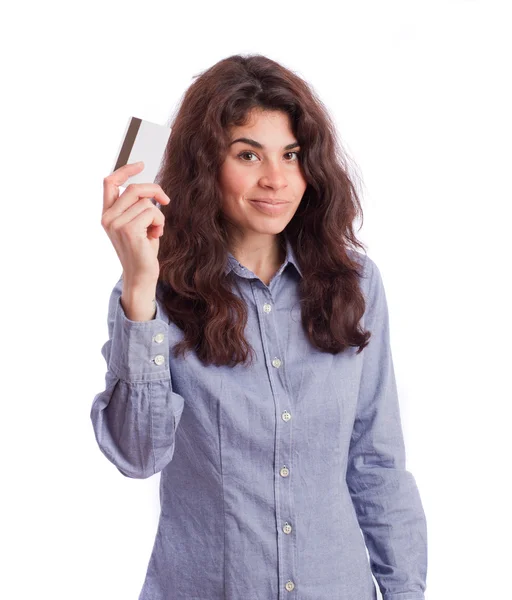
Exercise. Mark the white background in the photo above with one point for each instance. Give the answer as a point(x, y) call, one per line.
point(420, 94)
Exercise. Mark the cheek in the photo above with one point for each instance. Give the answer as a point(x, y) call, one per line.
point(239, 182)
point(300, 184)
point(236, 178)
point(234, 186)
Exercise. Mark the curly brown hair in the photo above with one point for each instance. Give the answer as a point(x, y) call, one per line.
point(193, 287)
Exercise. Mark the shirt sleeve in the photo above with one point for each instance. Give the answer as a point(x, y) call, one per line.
point(135, 417)
point(385, 495)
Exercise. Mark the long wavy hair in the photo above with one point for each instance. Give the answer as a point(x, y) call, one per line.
point(193, 287)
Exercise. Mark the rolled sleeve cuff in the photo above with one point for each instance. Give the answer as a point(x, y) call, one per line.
point(140, 349)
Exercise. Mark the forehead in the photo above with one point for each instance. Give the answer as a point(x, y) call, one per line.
point(263, 119)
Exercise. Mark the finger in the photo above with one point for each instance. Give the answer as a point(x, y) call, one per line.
point(136, 194)
point(155, 231)
point(116, 179)
point(129, 220)
point(131, 196)
point(144, 225)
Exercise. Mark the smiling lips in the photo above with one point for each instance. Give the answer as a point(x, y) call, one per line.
point(268, 200)
point(269, 207)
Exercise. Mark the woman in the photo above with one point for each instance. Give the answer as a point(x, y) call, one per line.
point(249, 357)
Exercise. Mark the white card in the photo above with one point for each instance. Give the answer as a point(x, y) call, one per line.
point(146, 141)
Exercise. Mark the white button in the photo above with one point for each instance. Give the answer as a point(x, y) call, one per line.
point(276, 363)
point(284, 472)
point(267, 308)
point(159, 359)
point(159, 338)
point(289, 586)
point(286, 416)
point(287, 528)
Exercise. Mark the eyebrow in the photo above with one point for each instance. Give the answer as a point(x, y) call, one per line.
point(258, 145)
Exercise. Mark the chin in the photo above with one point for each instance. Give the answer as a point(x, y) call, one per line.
point(273, 228)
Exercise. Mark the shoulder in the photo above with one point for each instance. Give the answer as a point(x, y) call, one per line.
point(371, 280)
point(367, 266)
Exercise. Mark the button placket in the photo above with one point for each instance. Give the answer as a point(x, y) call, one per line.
point(269, 328)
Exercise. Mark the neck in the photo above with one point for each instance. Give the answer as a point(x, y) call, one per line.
point(262, 254)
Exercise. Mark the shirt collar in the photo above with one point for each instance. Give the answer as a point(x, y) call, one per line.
point(233, 264)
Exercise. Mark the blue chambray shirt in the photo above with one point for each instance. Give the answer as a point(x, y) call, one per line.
point(277, 478)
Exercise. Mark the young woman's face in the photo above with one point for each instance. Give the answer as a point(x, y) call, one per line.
point(266, 166)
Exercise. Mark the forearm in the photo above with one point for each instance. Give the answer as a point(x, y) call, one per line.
point(136, 415)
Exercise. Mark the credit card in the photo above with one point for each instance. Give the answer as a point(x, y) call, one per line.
point(146, 141)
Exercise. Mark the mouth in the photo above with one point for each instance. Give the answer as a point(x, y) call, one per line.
point(268, 201)
point(269, 207)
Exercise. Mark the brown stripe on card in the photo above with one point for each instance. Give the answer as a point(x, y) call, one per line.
point(129, 140)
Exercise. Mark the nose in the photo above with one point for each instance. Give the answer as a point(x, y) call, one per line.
point(273, 176)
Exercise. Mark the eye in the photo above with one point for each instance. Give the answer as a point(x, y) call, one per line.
point(245, 152)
